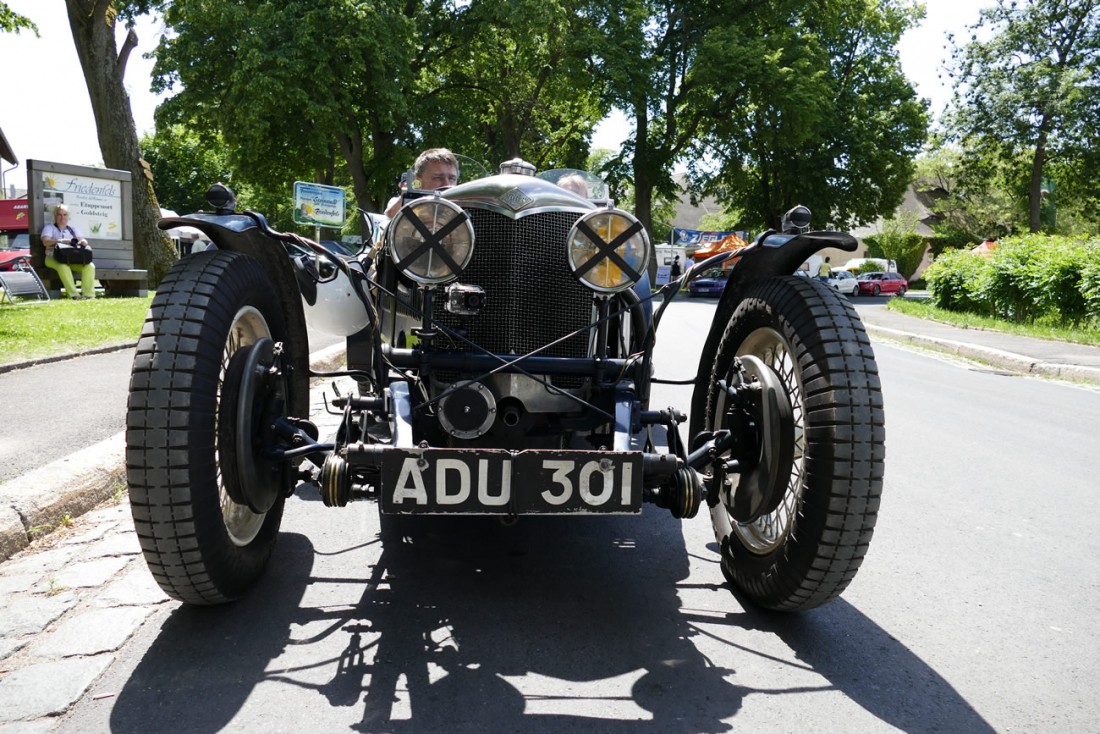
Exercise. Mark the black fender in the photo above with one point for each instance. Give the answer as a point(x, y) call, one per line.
point(246, 233)
point(645, 296)
point(770, 255)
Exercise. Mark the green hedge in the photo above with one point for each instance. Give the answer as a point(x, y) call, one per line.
point(1034, 277)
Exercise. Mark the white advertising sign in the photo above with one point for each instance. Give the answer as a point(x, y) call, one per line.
point(318, 205)
point(95, 204)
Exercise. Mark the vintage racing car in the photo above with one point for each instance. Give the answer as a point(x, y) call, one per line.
point(501, 340)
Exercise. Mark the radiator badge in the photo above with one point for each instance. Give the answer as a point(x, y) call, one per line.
point(516, 199)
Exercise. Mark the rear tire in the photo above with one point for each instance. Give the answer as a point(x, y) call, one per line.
point(807, 551)
point(201, 546)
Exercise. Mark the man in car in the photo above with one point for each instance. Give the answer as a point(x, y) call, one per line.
point(435, 168)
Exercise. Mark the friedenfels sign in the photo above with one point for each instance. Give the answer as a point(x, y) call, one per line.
point(95, 204)
point(318, 205)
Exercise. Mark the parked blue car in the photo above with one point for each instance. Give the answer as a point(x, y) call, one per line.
point(709, 284)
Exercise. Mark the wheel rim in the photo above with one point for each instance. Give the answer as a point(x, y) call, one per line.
point(770, 531)
point(241, 523)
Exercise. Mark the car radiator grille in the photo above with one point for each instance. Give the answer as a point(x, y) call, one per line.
point(531, 296)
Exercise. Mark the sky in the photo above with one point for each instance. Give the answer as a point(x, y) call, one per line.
point(45, 113)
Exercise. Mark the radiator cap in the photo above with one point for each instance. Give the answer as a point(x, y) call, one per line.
point(517, 166)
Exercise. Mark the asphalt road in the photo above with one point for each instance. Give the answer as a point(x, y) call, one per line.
point(973, 612)
point(51, 410)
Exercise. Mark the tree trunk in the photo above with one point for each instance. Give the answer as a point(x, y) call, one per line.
point(1035, 188)
point(93, 27)
point(352, 148)
point(643, 179)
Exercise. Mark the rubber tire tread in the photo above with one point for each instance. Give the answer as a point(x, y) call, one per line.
point(170, 429)
point(845, 444)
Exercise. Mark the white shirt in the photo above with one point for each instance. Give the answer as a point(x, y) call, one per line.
point(54, 232)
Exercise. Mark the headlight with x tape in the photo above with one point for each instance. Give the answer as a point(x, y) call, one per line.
point(431, 240)
point(608, 250)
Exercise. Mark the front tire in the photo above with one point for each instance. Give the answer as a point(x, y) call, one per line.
point(200, 545)
point(805, 552)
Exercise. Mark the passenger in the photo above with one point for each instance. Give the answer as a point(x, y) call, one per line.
point(59, 231)
point(575, 183)
point(435, 168)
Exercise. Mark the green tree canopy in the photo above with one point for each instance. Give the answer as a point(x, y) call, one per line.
point(816, 111)
point(649, 61)
point(509, 87)
point(13, 22)
point(185, 163)
point(364, 86)
point(772, 103)
point(1027, 97)
point(278, 81)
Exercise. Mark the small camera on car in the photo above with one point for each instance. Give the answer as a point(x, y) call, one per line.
point(465, 300)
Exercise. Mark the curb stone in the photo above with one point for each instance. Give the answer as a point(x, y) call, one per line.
point(39, 500)
point(71, 486)
point(12, 366)
point(996, 357)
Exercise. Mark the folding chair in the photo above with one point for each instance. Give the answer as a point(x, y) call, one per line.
point(22, 282)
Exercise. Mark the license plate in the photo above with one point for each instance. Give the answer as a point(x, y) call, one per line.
point(499, 482)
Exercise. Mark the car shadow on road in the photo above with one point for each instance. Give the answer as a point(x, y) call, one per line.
point(206, 661)
point(869, 666)
point(552, 625)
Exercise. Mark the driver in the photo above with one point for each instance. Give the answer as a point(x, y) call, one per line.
point(435, 168)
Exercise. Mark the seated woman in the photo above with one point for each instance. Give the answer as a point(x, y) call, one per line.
point(59, 231)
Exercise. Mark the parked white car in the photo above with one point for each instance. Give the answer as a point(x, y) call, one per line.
point(843, 281)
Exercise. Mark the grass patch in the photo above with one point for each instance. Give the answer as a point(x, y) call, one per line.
point(925, 310)
point(32, 331)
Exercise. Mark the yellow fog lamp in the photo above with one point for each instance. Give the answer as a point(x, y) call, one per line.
point(431, 240)
point(608, 250)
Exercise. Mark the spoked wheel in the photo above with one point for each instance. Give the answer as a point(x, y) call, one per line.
point(206, 503)
point(802, 543)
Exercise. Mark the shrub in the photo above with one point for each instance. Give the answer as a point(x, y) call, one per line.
point(1029, 277)
point(1090, 280)
point(1010, 290)
point(1057, 278)
point(951, 238)
point(955, 281)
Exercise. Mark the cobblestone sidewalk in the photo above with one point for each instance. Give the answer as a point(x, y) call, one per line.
point(72, 599)
point(88, 585)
